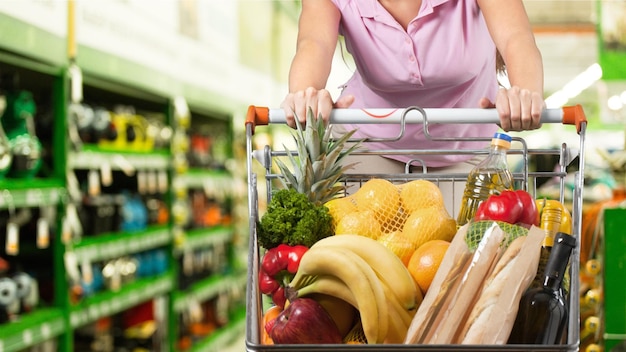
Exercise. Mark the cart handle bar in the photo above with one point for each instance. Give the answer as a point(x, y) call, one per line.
point(567, 115)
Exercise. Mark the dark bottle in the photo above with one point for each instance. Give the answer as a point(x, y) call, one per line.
point(543, 313)
point(550, 222)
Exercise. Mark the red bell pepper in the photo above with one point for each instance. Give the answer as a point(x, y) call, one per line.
point(278, 267)
point(513, 207)
point(530, 214)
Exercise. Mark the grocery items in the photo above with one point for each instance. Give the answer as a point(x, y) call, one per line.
point(491, 317)
point(304, 321)
point(291, 218)
point(425, 261)
point(471, 286)
point(550, 222)
point(490, 176)
point(364, 273)
point(466, 277)
point(317, 167)
point(543, 311)
point(278, 266)
point(513, 207)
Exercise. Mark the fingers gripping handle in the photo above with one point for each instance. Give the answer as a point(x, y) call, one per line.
point(569, 115)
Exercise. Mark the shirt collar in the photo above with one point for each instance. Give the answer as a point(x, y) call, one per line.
point(370, 8)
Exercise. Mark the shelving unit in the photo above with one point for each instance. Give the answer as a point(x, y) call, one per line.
point(64, 313)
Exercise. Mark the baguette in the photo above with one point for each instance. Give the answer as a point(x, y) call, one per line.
point(470, 284)
point(491, 319)
point(479, 317)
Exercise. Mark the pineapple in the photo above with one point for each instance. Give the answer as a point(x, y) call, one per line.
point(316, 167)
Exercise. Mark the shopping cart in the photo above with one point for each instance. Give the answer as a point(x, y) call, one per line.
point(572, 115)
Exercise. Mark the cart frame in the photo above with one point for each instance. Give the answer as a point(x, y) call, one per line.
point(572, 115)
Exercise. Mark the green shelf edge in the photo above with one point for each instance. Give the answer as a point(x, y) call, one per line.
point(107, 303)
point(93, 158)
point(32, 329)
point(206, 289)
point(118, 244)
point(47, 49)
point(196, 178)
point(224, 335)
point(200, 291)
point(31, 192)
point(199, 238)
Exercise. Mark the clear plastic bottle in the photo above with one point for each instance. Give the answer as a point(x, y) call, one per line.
point(490, 176)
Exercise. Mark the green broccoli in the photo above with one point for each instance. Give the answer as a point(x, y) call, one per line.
point(291, 218)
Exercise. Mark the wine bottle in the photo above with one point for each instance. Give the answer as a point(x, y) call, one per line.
point(550, 221)
point(543, 313)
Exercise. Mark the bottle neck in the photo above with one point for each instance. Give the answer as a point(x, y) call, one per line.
point(557, 262)
point(552, 283)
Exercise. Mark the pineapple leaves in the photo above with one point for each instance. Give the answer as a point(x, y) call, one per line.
point(316, 168)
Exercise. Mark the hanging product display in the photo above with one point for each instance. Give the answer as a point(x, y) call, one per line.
point(18, 124)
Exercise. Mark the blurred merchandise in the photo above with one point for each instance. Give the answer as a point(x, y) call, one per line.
point(18, 124)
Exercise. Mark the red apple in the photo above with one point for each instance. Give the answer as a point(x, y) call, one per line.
point(304, 321)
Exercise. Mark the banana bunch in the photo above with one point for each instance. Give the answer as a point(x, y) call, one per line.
point(367, 275)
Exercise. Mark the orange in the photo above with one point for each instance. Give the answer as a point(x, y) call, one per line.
point(429, 224)
point(399, 244)
point(420, 194)
point(270, 314)
point(425, 262)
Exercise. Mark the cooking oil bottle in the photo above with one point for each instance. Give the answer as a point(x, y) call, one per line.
point(490, 176)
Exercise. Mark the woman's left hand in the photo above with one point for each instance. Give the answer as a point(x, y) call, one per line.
point(519, 109)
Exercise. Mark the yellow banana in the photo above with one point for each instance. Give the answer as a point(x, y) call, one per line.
point(399, 318)
point(388, 267)
point(329, 285)
point(400, 312)
point(358, 276)
point(397, 327)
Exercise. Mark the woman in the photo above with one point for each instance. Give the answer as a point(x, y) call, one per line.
point(426, 53)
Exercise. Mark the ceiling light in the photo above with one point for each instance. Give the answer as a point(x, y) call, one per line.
point(614, 103)
point(574, 87)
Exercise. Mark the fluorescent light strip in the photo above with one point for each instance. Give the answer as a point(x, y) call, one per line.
point(576, 86)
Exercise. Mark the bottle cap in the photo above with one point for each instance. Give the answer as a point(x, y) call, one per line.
point(501, 140)
point(504, 136)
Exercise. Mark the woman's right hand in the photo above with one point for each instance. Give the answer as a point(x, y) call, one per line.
point(320, 102)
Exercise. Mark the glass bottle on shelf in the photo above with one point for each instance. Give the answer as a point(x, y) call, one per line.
point(543, 313)
point(490, 176)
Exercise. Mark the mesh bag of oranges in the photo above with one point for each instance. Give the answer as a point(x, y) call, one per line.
point(407, 215)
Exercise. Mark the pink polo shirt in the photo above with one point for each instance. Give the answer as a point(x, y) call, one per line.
point(445, 59)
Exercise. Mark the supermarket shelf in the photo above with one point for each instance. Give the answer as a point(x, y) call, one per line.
point(225, 335)
point(30, 193)
point(108, 303)
point(201, 291)
point(206, 289)
point(119, 244)
point(199, 178)
point(31, 329)
point(94, 157)
point(205, 237)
